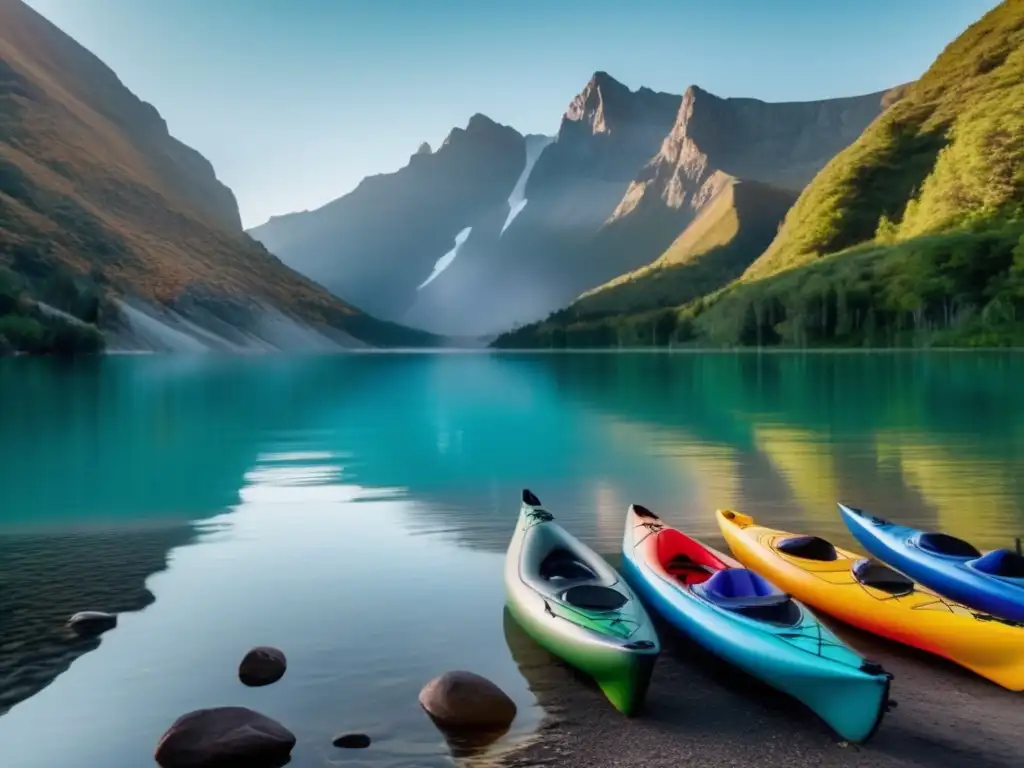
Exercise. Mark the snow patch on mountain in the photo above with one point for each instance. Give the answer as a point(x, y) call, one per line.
point(445, 261)
point(517, 200)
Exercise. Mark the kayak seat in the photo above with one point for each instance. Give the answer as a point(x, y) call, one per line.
point(809, 548)
point(750, 594)
point(879, 576)
point(593, 597)
point(739, 584)
point(1000, 562)
point(564, 565)
point(944, 544)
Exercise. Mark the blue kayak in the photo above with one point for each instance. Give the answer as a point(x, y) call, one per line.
point(992, 583)
point(747, 621)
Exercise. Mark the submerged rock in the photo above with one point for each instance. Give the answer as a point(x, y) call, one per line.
point(352, 741)
point(225, 736)
point(262, 665)
point(90, 623)
point(466, 700)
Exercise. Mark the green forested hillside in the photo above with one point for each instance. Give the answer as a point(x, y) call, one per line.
point(910, 236)
point(637, 308)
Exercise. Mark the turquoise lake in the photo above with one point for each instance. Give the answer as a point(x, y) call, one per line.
point(354, 511)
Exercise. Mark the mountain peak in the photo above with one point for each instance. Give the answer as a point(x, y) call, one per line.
point(424, 149)
point(482, 123)
point(479, 128)
point(600, 78)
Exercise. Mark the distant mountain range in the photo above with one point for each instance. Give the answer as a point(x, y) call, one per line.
point(523, 225)
point(649, 218)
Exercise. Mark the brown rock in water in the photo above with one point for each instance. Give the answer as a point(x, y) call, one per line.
point(225, 736)
point(352, 741)
point(467, 700)
point(90, 623)
point(262, 665)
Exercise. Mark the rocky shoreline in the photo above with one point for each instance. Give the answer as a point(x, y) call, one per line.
point(702, 714)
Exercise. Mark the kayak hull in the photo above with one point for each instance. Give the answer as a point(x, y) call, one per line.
point(615, 644)
point(920, 618)
point(953, 577)
point(804, 659)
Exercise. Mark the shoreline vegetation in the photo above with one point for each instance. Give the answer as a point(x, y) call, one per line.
point(55, 315)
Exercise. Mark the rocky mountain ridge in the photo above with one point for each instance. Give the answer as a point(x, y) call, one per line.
point(626, 173)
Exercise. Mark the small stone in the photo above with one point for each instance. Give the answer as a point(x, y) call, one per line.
point(262, 666)
point(222, 736)
point(352, 741)
point(91, 623)
point(466, 700)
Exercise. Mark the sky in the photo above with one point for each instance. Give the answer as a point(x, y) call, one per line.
point(295, 101)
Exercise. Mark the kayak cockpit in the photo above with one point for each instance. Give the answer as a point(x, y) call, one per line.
point(945, 545)
point(881, 577)
point(749, 594)
point(683, 558)
point(1000, 562)
point(808, 548)
point(554, 564)
point(562, 565)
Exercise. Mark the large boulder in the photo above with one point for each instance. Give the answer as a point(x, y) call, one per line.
point(466, 700)
point(225, 736)
point(262, 666)
point(91, 623)
point(352, 741)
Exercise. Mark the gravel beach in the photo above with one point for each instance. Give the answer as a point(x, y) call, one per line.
point(701, 713)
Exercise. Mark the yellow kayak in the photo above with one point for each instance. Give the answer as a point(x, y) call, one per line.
point(875, 598)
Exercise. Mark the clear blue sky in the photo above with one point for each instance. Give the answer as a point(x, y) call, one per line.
point(294, 101)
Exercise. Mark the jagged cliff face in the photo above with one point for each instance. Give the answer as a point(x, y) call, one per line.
point(780, 144)
point(544, 258)
point(606, 133)
point(91, 182)
point(378, 243)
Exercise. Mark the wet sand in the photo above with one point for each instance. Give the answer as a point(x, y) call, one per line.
point(45, 578)
point(702, 713)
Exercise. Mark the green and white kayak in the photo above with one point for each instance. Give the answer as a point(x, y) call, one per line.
point(575, 605)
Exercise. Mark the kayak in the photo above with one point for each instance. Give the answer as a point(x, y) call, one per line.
point(993, 582)
point(871, 596)
point(750, 623)
point(576, 606)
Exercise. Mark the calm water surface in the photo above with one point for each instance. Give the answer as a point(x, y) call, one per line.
point(354, 511)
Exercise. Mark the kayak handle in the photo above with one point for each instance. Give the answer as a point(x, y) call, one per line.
point(874, 668)
point(529, 499)
point(641, 511)
point(638, 645)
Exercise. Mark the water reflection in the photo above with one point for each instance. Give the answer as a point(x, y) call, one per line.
point(354, 510)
